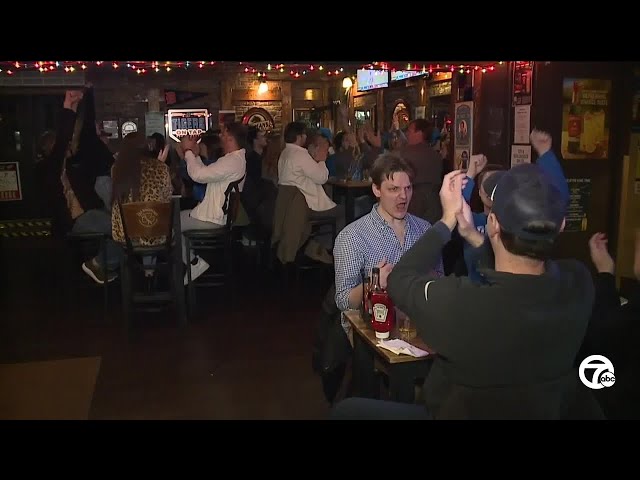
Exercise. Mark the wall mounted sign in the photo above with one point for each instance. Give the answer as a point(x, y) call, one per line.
point(171, 97)
point(522, 81)
point(10, 182)
point(111, 127)
point(440, 89)
point(187, 121)
point(585, 118)
point(520, 154)
point(464, 126)
point(154, 122)
point(577, 212)
point(259, 118)
point(128, 127)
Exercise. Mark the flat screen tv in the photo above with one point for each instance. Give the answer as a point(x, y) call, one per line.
point(404, 74)
point(372, 79)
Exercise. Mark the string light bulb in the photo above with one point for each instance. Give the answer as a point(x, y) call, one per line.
point(296, 70)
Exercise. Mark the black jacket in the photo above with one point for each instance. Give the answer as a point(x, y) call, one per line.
point(92, 159)
point(614, 331)
point(505, 349)
point(49, 170)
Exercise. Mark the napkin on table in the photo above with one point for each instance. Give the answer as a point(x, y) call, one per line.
point(398, 347)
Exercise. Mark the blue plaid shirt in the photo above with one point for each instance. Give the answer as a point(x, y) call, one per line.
point(365, 243)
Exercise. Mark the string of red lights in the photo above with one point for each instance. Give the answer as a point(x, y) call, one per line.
point(261, 70)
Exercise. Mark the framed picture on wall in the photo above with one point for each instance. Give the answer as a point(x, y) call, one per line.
point(310, 117)
point(365, 115)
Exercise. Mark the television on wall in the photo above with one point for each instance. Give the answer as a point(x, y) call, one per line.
point(372, 79)
point(404, 74)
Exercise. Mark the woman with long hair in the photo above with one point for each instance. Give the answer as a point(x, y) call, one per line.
point(138, 176)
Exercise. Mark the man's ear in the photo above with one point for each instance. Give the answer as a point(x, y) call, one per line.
point(564, 222)
point(495, 226)
point(376, 190)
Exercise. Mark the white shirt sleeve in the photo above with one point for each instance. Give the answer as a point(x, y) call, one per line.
point(201, 173)
point(316, 171)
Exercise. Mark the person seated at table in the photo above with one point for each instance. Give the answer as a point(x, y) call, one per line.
point(348, 163)
point(380, 237)
point(307, 171)
point(210, 151)
point(217, 176)
point(139, 175)
point(426, 162)
point(506, 349)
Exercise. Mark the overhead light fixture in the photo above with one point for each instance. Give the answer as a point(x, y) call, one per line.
point(347, 83)
point(263, 87)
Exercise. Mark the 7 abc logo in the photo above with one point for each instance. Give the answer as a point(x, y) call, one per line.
point(602, 372)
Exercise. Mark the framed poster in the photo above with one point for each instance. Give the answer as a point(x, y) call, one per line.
point(578, 210)
point(585, 118)
point(187, 121)
point(10, 188)
point(364, 115)
point(307, 116)
point(154, 122)
point(463, 127)
point(111, 127)
point(522, 81)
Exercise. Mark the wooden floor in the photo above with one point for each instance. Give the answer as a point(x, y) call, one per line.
point(246, 359)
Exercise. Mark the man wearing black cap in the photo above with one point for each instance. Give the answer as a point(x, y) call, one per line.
point(505, 349)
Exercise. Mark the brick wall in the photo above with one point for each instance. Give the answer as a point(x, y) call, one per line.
point(124, 95)
point(250, 82)
point(274, 109)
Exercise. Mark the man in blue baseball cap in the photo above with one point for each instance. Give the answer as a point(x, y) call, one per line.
point(505, 349)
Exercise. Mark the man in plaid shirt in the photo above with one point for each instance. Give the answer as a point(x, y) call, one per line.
point(382, 236)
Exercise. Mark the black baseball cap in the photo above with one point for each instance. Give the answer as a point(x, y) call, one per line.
point(526, 202)
point(490, 181)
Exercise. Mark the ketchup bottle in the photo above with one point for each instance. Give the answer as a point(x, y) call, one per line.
point(384, 313)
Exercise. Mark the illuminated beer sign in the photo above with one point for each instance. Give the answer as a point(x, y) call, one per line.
point(187, 121)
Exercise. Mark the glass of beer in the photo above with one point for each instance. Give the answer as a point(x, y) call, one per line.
point(405, 328)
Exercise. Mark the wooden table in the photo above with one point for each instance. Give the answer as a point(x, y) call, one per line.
point(402, 370)
point(351, 189)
